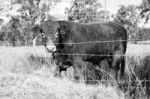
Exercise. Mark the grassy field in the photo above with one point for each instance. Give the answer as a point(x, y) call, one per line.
point(28, 73)
point(137, 64)
point(138, 50)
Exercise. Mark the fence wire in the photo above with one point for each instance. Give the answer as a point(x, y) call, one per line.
point(92, 42)
point(73, 54)
point(8, 43)
point(78, 43)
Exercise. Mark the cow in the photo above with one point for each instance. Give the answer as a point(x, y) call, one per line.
point(80, 44)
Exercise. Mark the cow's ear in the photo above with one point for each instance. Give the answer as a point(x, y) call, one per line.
point(42, 34)
point(56, 34)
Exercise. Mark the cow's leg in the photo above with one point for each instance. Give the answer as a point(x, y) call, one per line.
point(148, 95)
point(76, 74)
point(79, 74)
point(76, 68)
point(122, 66)
point(60, 69)
point(109, 59)
point(117, 59)
point(58, 72)
point(79, 69)
point(83, 71)
point(116, 69)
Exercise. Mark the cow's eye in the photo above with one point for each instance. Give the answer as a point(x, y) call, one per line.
point(56, 34)
point(43, 35)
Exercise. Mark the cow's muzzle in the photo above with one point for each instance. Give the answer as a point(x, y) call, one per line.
point(50, 48)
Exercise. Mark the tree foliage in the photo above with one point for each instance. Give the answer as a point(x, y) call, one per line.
point(35, 10)
point(128, 16)
point(84, 11)
point(10, 32)
point(145, 10)
point(18, 30)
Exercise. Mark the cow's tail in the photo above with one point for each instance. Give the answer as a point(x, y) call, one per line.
point(124, 60)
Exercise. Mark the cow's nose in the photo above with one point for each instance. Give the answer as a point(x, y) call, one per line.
point(51, 48)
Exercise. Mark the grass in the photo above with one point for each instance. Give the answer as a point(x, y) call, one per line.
point(28, 73)
point(137, 67)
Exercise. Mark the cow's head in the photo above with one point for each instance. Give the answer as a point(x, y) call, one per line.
point(61, 39)
point(56, 37)
point(48, 32)
point(57, 34)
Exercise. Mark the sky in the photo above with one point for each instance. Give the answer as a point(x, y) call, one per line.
point(112, 6)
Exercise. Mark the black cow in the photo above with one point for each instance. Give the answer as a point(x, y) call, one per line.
point(78, 44)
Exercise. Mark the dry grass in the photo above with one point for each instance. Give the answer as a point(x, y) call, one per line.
point(136, 55)
point(27, 73)
point(137, 67)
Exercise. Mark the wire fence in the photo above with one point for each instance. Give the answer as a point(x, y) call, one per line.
point(77, 54)
point(7, 43)
point(125, 81)
point(97, 55)
point(31, 42)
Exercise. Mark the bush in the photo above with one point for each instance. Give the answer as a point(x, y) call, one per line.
point(16, 32)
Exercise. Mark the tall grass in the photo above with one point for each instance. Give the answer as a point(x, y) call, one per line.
point(28, 73)
point(137, 68)
point(23, 60)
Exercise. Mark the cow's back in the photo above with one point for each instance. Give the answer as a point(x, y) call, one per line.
point(101, 38)
point(101, 31)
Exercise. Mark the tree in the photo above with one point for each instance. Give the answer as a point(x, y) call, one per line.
point(128, 17)
point(18, 30)
point(100, 16)
point(83, 11)
point(10, 32)
point(33, 11)
point(145, 10)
